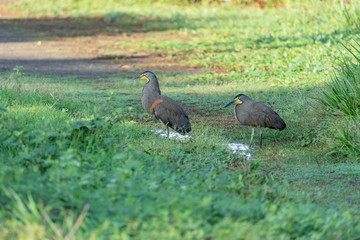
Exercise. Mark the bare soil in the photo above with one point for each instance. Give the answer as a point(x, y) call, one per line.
point(81, 47)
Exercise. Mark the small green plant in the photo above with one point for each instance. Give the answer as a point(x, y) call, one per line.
point(18, 70)
point(17, 75)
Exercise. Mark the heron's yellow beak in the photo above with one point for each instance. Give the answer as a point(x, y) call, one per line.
point(140, 77)
point(145, 77)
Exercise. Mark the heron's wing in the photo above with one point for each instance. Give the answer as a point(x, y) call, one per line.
point(264, 116)
point(172, 114)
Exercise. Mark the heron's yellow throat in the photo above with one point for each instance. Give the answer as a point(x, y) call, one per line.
point(145, 77)
point(238, 100)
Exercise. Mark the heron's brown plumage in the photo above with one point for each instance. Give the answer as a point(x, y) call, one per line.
point(255, 114)
point(170, 113)
point(167, 110)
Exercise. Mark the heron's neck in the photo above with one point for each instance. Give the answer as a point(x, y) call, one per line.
point(153, 86)
point(150, 93)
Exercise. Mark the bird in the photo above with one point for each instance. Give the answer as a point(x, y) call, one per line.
point(255, 114)
point(167, 110)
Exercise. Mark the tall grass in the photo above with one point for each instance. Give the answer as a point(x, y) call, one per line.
point(341, 99)
point(343, 92)
point(348, 139)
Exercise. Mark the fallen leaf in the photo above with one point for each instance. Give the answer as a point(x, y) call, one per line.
point(125, 67)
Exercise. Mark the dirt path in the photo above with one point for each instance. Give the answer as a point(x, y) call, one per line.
point(85, 48)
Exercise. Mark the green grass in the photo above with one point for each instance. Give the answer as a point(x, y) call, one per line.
point(343, 93)
point(66, 143)
point(137, 185)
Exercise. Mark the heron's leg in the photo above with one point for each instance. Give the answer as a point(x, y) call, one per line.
point(252, 136)
point(260, 137)
point(167, 130)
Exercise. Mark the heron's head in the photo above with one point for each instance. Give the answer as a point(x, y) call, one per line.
point(238, 99)
point(147, 75)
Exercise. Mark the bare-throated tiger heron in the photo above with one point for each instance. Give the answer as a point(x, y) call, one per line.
point(255, 114)
point(168, 111)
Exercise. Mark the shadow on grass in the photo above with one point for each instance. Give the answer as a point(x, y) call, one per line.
point(111, 24)
point(103, 66)
point(81, 68)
